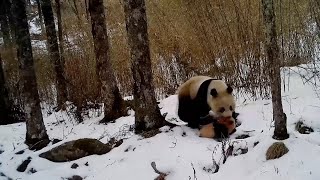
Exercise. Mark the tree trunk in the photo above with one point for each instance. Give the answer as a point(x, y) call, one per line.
point(40, 16)
point(60, 35)
point(9, 12)
point(5, 16)
point(147, 113)
point(6, 108)
point(36, 136)
point(4, 97)
point(109, 92)
point(54, 51)
point(315, 10)
point(272, 51)
point(5, 29)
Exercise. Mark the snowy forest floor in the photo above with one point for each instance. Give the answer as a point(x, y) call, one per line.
point(179, 151)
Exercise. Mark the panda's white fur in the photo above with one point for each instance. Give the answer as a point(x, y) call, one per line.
point(201, 87)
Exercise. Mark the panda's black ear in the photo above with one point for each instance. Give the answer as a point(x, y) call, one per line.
point(214, 92)
point(229, 89)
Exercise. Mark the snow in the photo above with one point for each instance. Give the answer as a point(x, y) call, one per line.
point(178, 150)
point(33, 28)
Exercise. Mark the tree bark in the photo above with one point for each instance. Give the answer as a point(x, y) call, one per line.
point(36, 135)
point(6, 108)
point(4, 22)
point(40, 16)
point(147, 113)
point(10, 18)
point(109, 92)
point(60, 35)
point(315, 8)
point(54, 51)
point(272, 51)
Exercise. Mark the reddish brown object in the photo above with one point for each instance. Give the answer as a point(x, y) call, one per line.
point(229, 122)
point(209, 131)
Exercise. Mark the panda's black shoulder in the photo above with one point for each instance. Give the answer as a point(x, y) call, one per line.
point(203, 89)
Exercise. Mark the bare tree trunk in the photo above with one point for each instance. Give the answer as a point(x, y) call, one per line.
point(6, 106)
point(272, 51)
point(28, 6)
point(147, 113)
point(60, 35)
point(109, 92)
point(36, 136)
point(8, 4)
point(40, 17)
point(5, 29)
point(54, 51)
point(315, 9)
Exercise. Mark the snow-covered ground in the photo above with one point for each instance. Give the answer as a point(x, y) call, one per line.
point(179, 151)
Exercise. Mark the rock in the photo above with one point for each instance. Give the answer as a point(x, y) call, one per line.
point(75, 177)
point(86, 164)
point(74, 166)
point(302, 128)
point(242, 136)
point(76, 149)
point(20, 152)
point(22, 167)
point(32, 171)
point(255, 143)
point(276, 150)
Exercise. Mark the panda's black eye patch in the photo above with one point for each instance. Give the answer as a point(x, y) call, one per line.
point(231, 108)
point(214, 92)
point(222, 109)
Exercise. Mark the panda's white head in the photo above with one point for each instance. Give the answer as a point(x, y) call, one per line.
point(220, 99)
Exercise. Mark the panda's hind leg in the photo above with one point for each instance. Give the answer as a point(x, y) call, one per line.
point(186, 111)
point(193, 124)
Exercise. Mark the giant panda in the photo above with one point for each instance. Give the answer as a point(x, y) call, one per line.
point(200, 95)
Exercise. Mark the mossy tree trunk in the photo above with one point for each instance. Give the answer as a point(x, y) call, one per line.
point(147, 113)
point(109, 92)
point(47, 12)
point(272, 52)
point(36, 130)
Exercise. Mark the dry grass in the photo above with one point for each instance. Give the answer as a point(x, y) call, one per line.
point(223, 39)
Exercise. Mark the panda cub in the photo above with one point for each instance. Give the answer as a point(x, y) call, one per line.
point(218, 128)
point(202, 94)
